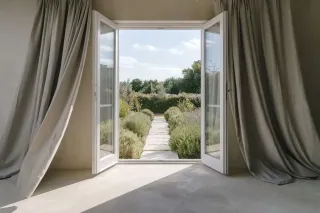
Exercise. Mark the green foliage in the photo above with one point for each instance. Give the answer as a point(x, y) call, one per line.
point(159, 89)
point(186, 105)
point(149, 86)
point(173, 85)
point(170, 112)
point(185, 140)
point(159, 104)
point(138, 123)
point(191, 81)
point(125, 91)
point(131, 145)
point(106, 129)
point(124, 109)
point(136, 85)
point(176, 120)
point(134, 102)
point(148, 113)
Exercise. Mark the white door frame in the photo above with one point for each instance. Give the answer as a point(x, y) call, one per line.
point(100, 164)
point(218, 164)
point(151, 25)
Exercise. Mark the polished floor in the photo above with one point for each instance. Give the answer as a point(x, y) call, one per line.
point(161, 188)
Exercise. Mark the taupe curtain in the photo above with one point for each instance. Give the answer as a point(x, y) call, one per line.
point(48, 90)
point(274, 126)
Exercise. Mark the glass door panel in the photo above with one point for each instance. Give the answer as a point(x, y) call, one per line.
point(107, 52)
point(214, 66)
point(105, 65)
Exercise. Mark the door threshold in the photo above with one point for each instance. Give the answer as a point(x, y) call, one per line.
point(167, 161)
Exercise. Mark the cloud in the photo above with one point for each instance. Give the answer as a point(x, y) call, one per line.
point(107, 37)
point(108, 62)
point(128, 62)
point(147, 47)
point(105, 48)
point(192, 43)
point(131, 68)
point(175, 51)
point(210, 42)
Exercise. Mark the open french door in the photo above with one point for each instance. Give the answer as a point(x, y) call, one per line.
point(213, 93)
point(105, 68)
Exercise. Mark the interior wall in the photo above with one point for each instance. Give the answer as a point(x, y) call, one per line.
point(16, 19)
point(155, 9)
point(75, 151)
point(306, 21)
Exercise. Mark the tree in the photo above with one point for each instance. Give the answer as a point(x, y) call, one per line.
point(159, 89)
point(191, 81)
point(172, 85)
point(125, 90)
point(136, 85)
point(149, 86)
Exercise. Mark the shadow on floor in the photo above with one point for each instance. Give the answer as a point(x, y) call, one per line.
point(198, 189)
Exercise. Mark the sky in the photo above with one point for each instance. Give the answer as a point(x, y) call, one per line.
point(157, 54)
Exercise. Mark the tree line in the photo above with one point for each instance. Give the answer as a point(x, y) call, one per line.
point(190, 82)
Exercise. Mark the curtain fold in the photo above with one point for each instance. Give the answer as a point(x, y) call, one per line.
point(47, 93)
point(274, 127)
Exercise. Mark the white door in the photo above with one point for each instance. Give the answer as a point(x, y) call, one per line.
point(105, 65)
point(213, 93)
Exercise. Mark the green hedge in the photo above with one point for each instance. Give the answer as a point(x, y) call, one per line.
point(149, 113)
point(131, 145)
point(185, 134)
point(186, 141)
point(138, 123)
point(170, 112)
point(160, 103)
point(124, 109)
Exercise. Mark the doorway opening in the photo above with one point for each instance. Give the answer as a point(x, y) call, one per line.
point(160, 94)
point(133, 95)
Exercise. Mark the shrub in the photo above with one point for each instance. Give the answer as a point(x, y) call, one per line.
point(186, 105)
point(160, 103)
point(134, 102)
point(194, 116)
point(171, 111)
point(124, 109)
point(176, 120)
point(131, 145)
point(138, 123)
point(185, 140)
point(149, 113)
point(106, 129)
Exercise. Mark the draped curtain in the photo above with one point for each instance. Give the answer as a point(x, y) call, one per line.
point(47, 93)
point(274, 127)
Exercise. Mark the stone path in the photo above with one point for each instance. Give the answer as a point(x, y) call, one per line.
point(157, 142)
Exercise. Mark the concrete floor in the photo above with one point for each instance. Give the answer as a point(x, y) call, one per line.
point(160, 188)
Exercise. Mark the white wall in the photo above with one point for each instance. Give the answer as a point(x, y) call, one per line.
point(16, 18)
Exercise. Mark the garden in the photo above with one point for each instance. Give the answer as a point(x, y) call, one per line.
point(177, 99)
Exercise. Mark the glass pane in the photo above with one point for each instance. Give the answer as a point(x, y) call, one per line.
point(213, 68)
point(107, 59)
